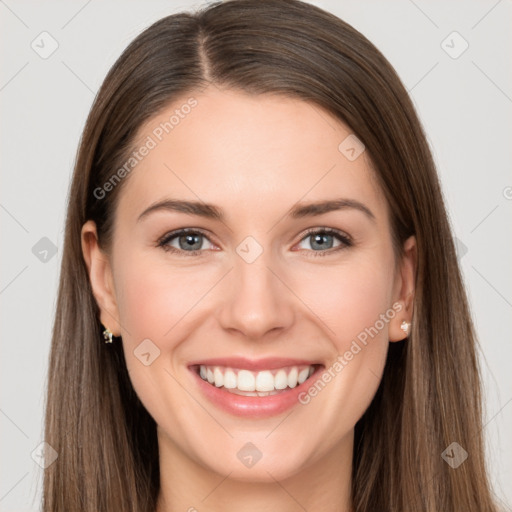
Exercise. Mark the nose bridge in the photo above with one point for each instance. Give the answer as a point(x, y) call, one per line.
point(258, 301)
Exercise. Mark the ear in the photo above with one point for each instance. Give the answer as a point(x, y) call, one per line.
point(100, 276)
point(404, 291)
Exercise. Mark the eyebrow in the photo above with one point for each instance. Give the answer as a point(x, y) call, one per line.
point(211, 211)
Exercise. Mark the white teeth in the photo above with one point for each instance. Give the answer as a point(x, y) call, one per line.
point(303, 375)
point(229, 379)
point(292, 377)
point(248, 383)
point(219, 378)
point(264, 381)
point(281, 380)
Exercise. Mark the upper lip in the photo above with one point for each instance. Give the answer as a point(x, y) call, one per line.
point(269, 363)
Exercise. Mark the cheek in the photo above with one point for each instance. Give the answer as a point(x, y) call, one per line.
point(153, 296)
point(349, 298)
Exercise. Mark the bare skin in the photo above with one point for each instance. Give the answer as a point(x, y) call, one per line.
point(254, 157)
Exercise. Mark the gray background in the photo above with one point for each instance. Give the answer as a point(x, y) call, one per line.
point(464, 103)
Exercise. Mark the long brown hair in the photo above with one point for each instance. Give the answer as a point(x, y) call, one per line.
point(429, 396)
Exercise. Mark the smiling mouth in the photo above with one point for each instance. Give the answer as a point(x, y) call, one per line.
point(256, 383)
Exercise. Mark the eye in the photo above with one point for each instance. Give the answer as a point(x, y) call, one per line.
point(322, 240)
point(189, 242)
point(186, 242)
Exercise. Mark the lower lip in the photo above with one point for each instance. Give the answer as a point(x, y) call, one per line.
point(253, 406)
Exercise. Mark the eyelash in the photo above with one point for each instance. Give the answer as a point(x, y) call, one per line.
point(344, 239)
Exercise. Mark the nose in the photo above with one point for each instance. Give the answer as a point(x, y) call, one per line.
point(257, 300)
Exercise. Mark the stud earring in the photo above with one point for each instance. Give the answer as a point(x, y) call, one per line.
point(405, 327)
point(107, 335)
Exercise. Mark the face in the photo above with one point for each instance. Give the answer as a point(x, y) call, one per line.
point(260, 296)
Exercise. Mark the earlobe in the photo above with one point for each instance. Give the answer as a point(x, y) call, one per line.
point(100, 277)
point(400, 326)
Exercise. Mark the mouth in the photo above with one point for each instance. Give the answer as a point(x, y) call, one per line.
point(254, 390)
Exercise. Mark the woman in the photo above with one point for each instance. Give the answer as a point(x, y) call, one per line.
point(257, 231)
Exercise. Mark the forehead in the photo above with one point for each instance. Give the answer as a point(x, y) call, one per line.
point(248, 154)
